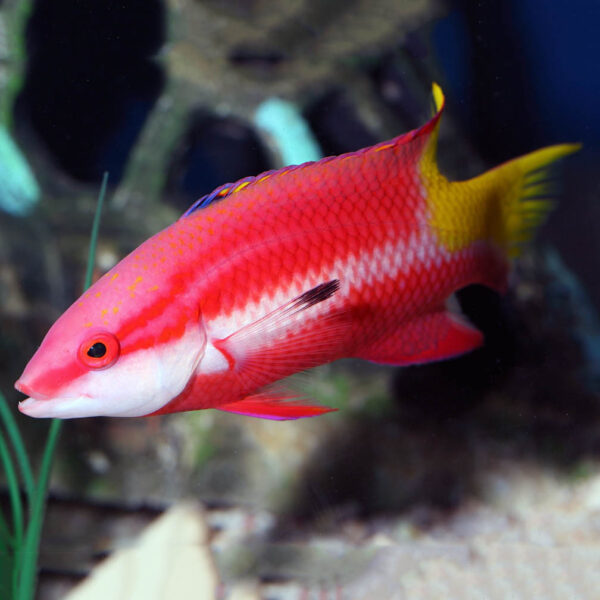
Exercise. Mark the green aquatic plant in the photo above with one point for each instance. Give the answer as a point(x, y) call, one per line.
point(21, 531)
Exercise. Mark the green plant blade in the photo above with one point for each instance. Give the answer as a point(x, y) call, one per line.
point(94, 236)
point(26, 574)
point(19, 448)
point(13, 491)
point(16, 507)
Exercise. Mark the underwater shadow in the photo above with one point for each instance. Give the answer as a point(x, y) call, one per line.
point(521, 399)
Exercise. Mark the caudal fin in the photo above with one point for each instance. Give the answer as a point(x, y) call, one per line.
point(501, 208)
point(504, 205)
point(524, 190)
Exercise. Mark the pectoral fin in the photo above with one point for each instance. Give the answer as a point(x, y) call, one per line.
point(279, 320)
point(279, 343)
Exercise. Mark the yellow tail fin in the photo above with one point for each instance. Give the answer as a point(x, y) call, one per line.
point(519, 194)
point(503, 205)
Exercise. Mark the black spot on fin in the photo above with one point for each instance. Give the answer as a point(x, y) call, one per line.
point(273, 346)
point(317, 294)
point(257, 334)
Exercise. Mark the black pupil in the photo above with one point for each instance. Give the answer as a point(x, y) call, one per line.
point(98, 350)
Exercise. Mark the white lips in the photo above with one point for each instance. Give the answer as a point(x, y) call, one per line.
point(30, 407)
point(80, 406)
point(61, 408)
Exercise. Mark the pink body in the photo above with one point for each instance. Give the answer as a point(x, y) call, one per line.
point(197, 309)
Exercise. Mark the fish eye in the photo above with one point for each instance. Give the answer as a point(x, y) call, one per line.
point(99, 351)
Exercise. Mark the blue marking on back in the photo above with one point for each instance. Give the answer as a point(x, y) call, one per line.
point(222, 192)
point(206, 200)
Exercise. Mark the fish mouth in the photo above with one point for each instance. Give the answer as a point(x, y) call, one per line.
point(42, 405)
point(26, 389)
point(32, 406)
point(55, 408)
point(36, 404)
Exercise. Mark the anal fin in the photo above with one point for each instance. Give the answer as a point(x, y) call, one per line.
point(277, 407)
point(435, 336)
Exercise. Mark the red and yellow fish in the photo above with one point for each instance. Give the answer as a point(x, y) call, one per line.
point(350, 256)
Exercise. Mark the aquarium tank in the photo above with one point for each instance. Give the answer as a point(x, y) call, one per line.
point(452, 442)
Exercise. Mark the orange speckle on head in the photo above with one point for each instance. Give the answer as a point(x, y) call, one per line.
point(88, 324)
point(98, 294)
point(153, 288)
point(116, 310)
point(134, 284)
point(210, 219)
point(384, 147)
point(114, 276)
point(80, 304)
point(103, 312)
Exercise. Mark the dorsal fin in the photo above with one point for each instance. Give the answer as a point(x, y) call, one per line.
point(227, 189)
point(428, 162)
point(222, 192)
point(429, 128)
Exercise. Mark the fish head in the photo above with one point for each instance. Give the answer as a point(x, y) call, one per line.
point(125, 348)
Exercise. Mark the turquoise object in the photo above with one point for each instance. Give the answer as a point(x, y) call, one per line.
point(289, 130)
point(19, 190)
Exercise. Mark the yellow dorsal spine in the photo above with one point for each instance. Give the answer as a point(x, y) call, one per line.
point(428, 164)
